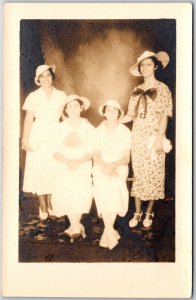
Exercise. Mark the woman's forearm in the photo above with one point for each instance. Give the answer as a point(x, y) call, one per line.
point(85, 158)
point(158, 144)
point(126, 119)
point(29, 117)
point(124, 160)
point(121, 162)
point(163, 125)
point(60, 157)
point(98, 160)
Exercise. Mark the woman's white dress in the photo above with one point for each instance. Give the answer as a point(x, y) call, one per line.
point(110, 192)
point(72, 189)
point(38, 174)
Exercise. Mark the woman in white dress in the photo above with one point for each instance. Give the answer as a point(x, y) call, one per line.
point(72, 193)
point(43, 110)
point(112, 144)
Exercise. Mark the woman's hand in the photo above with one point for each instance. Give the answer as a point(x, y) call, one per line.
point(72, 164)
point(26, 146)
point(158, 144)
point(110, 169)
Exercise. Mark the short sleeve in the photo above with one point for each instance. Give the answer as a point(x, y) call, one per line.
point(165, 100)
point(30, 103)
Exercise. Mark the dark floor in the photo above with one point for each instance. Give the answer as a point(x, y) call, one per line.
point(44, 241)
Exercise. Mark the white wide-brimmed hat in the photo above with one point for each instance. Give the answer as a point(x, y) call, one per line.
point(85, 101)
point(112, 103)
point(41, 69)
point(162, 56)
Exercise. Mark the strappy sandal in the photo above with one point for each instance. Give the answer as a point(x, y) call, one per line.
point(148, 222)
point(134, 222)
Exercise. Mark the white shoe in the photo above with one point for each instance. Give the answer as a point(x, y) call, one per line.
point(113, 238)
point(42, 215)
point(148, 222)
point(134, 222)
point(117, 235)
point(75, 233)
point(109, 239)
point(103, 241)
point(113, 243)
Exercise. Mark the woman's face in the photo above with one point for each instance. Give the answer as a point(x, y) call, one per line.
point(73, 109)
point(111, 113)
point(147, 67)
point(45, 79)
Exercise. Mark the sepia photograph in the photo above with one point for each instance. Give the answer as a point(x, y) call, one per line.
point(96, 138)
point(111, 180)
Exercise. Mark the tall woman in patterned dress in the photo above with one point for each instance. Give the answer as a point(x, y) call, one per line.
point(112, 144)
point(43, 110)
point(149, 108)
point(72, 189)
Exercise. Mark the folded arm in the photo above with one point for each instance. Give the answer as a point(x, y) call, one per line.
point(126, 119)
point(72, 163)
point(110, 168)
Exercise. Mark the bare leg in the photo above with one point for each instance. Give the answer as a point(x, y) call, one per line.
point(48, 199)
point(137, 207)
point(137, 215)
point(148, 218)
point(75, 222)
point(42, 203)
point(150, 206)
point(109, 219)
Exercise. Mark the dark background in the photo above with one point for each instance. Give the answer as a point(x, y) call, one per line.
point(93, 59)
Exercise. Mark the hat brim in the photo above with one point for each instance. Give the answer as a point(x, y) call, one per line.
point(102, 106)
point(161, 56)
point(36, 79)
point(85, 101)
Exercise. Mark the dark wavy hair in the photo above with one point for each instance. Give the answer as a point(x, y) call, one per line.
point(156, 62)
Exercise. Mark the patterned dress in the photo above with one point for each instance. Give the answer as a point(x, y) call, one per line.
point(146, 107)
point(38, 175)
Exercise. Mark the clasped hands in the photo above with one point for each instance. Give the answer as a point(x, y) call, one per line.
point(109, 169)
point(73, 164)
